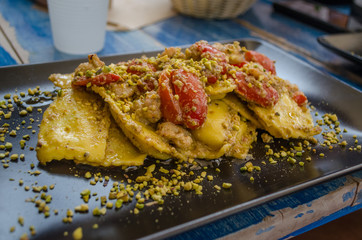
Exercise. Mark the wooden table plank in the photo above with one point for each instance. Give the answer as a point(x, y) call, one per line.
point(7, 52)
point(28, 28)
point(181, 30)
point(8, 56)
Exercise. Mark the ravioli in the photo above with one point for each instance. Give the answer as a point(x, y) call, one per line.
point(242, 109)
point(225, 131)
point(120, 151)
point(286, 119)
point(219, 89)
point(75, 126)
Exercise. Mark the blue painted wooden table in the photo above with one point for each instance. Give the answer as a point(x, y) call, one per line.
point(25, 37)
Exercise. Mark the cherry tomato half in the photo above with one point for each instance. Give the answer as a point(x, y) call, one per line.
point(261, 59)
point(300, 98)
point(209, 52)
point(264, 95)
point(170, 106)
point(182, 95)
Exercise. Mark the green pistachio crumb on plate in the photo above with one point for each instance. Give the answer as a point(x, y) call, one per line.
point(87, 175)
point(21, 220)
point(78, 233)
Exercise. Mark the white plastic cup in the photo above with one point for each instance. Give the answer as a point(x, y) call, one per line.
point(78, 26)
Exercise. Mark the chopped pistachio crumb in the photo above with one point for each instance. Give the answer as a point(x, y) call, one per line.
point(22, 143)
point(24, 236)
point(14, 157)
point(98, 212)
point(21, 221)
point(29, 109)
point(8, 145)
point(23, 113)
point(12, 133)
point(119, 203)
point(140, 205)
point(82, 208)
point(226, 185)
point(87, 175)
point(78, 233)
point(70, 213)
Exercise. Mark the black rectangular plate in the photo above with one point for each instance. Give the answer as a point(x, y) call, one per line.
point(187, 211)
point(347, 45)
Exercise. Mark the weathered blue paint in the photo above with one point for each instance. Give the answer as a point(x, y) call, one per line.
point(324, 220)
point(181, 30)
point(5, 58)
point(349, 195)
point(357, 174)
point(264, 230)
point(31, 27)
point(310, 211)
point(307, 196)
point(33, 32)
point(299, 215)
point(228, 225)
point(358, 177)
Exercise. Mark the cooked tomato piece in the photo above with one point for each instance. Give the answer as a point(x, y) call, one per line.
point(192, 97)
point(209, 52)
point(240, 64)
point(146, 85)
point(300, 98)
point(140, 67)
point(212, 79)
point(170, 106)
point(182, 97)
point(261, 59)
point(98, 80)
point(263, 95)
